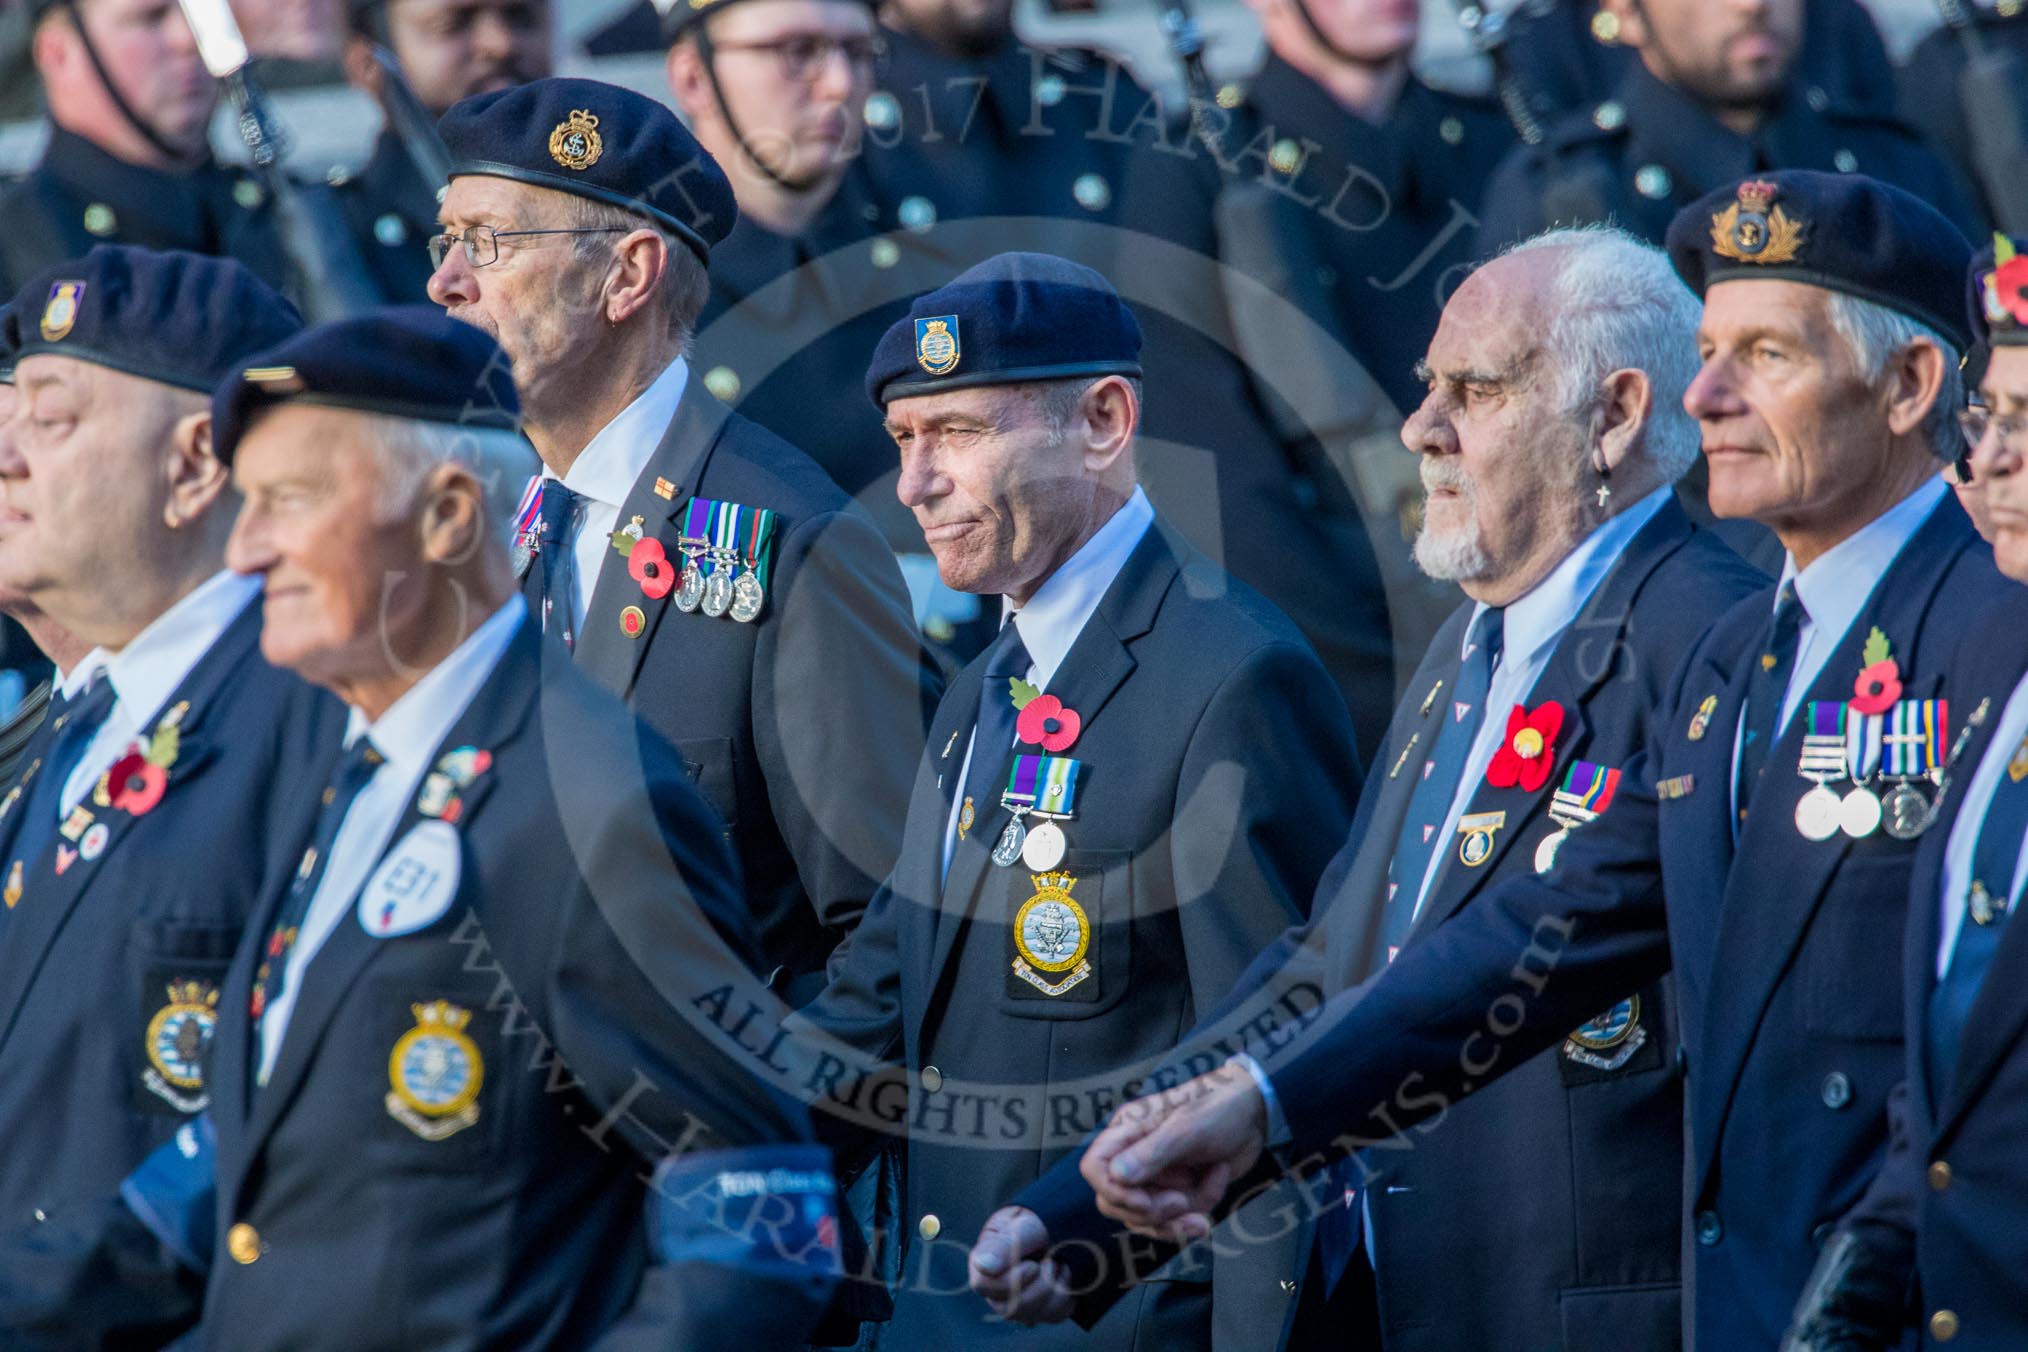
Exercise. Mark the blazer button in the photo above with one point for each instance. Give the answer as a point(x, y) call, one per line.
point(1822, 1234)
point(1837, 1090)
point(932, 1079)
point(929, 1227)
point(1709, 1228)
point(1939, 1176)
point(243, 1242)
point(1943, 1325)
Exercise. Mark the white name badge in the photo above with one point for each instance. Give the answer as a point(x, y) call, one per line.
point(414, 885)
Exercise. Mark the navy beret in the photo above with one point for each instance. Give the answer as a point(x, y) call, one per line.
point(1843, 232)
point(181, 318)
point(409, 361)
point(1998, 303)
point(1014, 318)
point(598, 141)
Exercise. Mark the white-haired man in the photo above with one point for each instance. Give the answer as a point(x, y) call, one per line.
point(1551, 438)
point(1775, 804)
point(458, 1041)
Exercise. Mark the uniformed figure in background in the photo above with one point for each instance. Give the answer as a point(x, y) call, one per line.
point(1944, 1219)
point(1132, 789)
point(448, 50)
point(690, 560)
point(1763, 839)
point(175, 735)
point(1936, 101)
point(816, 267)
point(1351, 193)
point(1569, 57)
point(130, 107)
point(1716, 95)
point(1555, 1194)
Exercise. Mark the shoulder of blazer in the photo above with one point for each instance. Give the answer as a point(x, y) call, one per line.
point(772, 472)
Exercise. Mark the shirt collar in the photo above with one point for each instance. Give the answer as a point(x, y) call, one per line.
point(1552, 605)
point(1063, 605)
point(411, 728)
point(606, 469)
point(147, 671)
point(1836, 585)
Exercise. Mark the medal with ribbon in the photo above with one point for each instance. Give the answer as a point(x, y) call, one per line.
point(724, 558)
point(749, 590)
point(1055, 780)
point(696, 538)
point(1914, 746)
point(1018, 798)
point(1859, 813)
point(1587, 791)
point(528, 525)
point(1823, 760)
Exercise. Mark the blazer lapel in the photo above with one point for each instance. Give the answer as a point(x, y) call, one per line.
point(50, 895)
point(495, 716)
point(1584, 657)
point(1094, 668)
point(1760, 927)
point(677, 466)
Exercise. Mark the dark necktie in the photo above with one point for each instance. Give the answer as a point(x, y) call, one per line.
point(1767, 687)
point(354, 772)
point(993, 731)
point(1430, 805)
point(559, 511)
point(1428, 808)
point(1988, 900)
point(75, 726)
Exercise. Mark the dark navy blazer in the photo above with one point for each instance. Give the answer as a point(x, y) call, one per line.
point(801, 728)
point(1791, 1003)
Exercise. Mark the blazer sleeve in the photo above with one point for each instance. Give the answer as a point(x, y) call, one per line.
point(843, 691)
point(1502, 980)
point(652, 959)
point(1267, 791)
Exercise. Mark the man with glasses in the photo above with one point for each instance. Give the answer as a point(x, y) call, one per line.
point(691, 561)
point(819, 263)
point(448, 50)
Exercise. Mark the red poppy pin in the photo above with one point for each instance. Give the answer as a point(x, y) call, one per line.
point(648, 564)
point(1879, 683)
point(1043, 720)
point(1529, 749)
point(137, 780)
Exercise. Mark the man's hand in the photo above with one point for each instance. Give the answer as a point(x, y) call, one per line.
point(1008, 1268)
point(1164, 1162)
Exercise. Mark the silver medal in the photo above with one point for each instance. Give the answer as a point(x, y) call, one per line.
point(1817, 815)
point(1011, 841)
point(1906, 812)
point(717, 593)
point(1545, 853)
point(1859, 814)
point(689, 587)
point(1044, 848)
point(747, 598)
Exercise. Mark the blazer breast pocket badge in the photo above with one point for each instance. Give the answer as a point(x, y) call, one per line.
point(1052, 937)
point(176, 1040)
point(434, 1073)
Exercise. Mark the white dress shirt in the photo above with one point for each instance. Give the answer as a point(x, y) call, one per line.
point(147, 671)
point(1833, 590)
point(605, 472)
point(1957, 861)
point(1058, 612)
point(407, 736)
point(1530, 629)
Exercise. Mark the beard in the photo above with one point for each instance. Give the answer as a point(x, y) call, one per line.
point(1458, 553)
